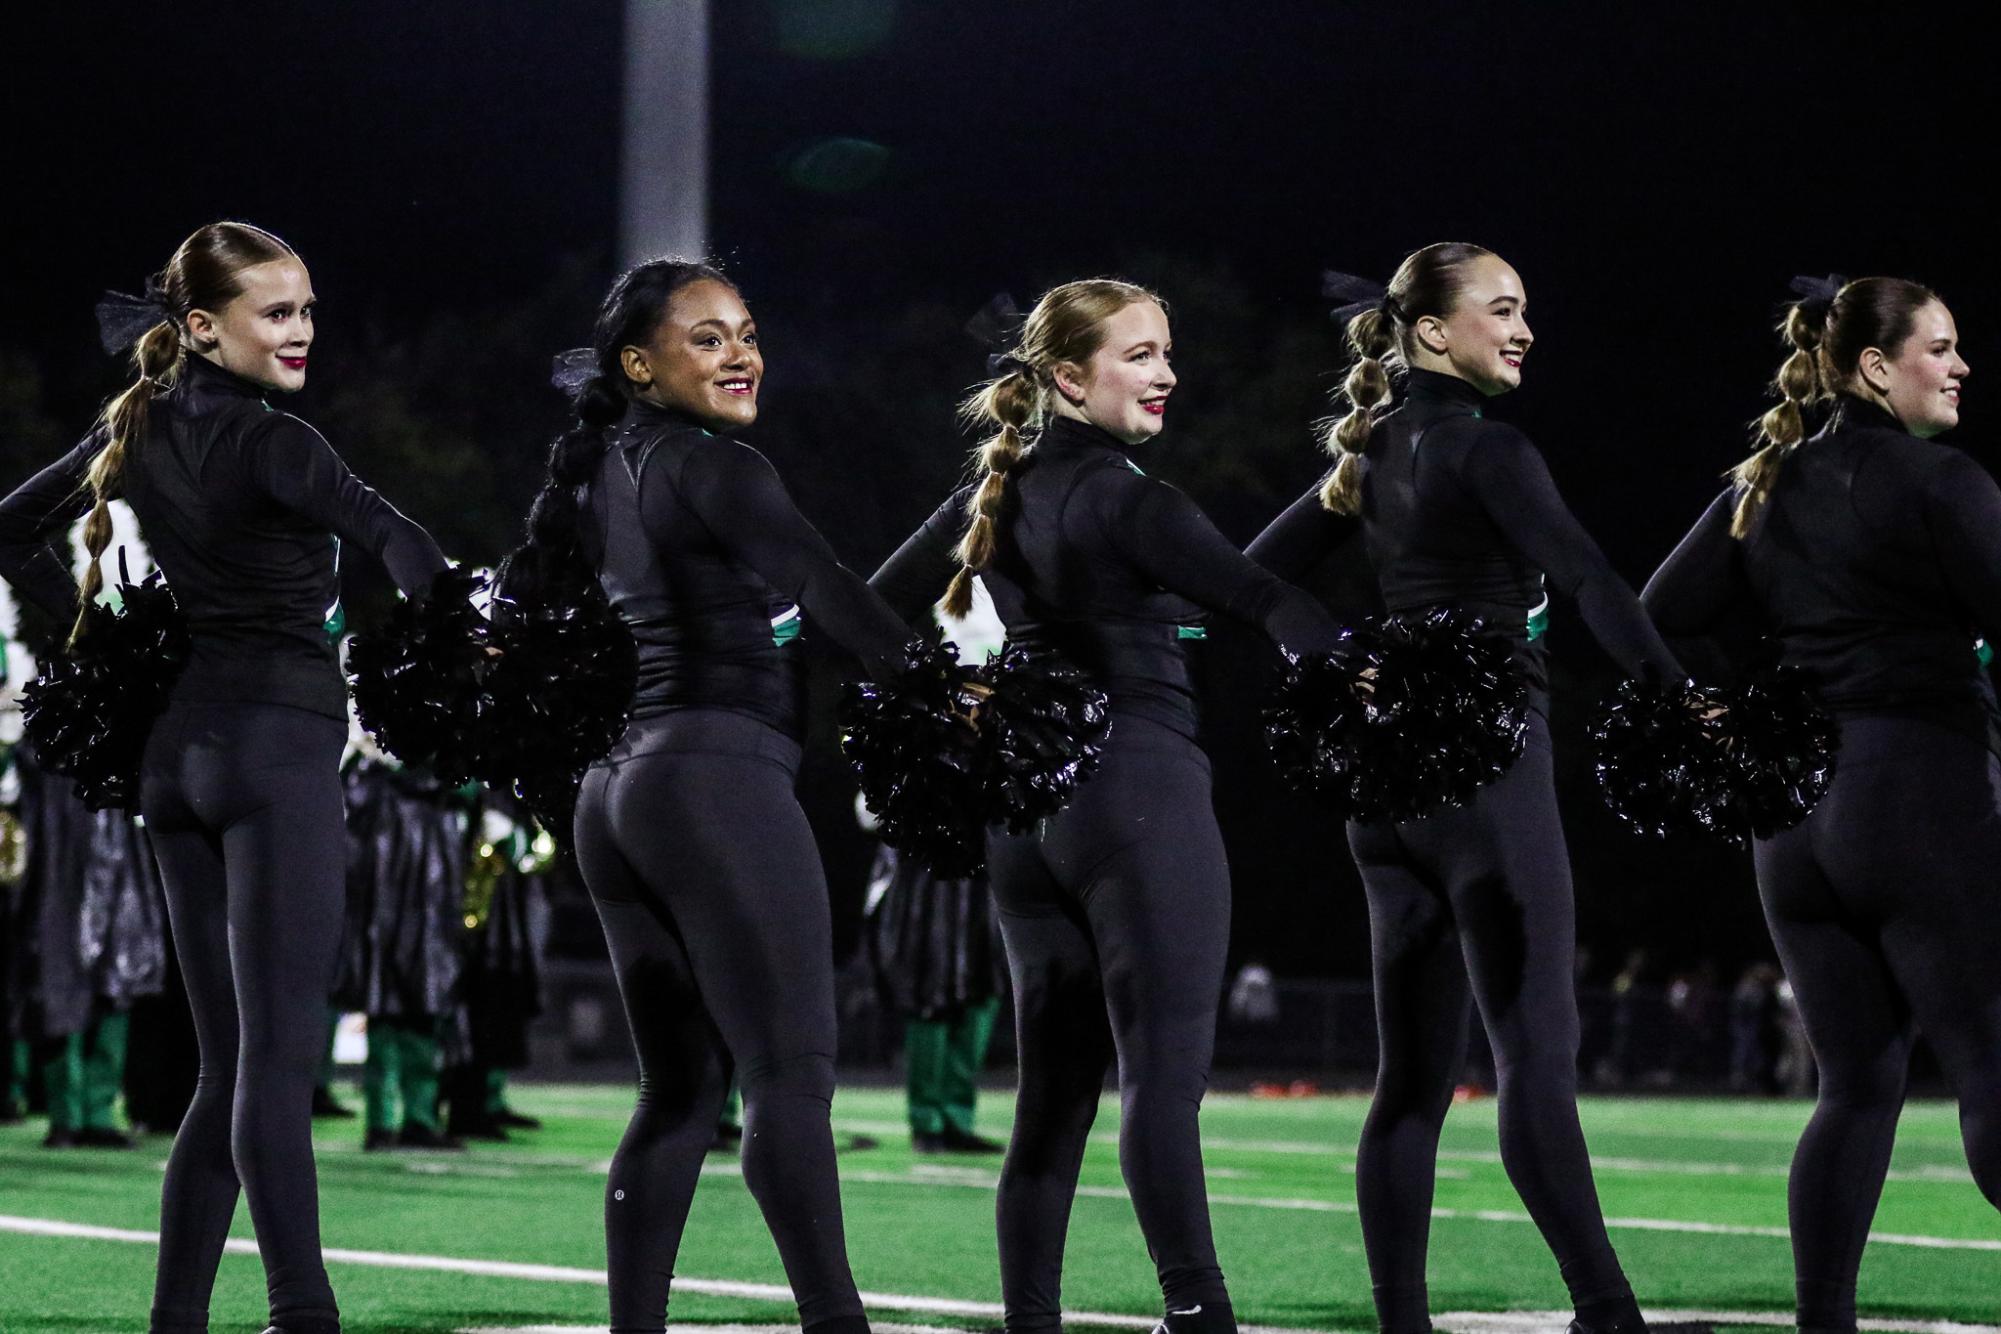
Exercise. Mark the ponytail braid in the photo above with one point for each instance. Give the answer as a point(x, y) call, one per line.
point(1014, 401)
point(1067, 325)
point(158, 358)
point(1799, 382)
point(1372, 336)
point(553, 554)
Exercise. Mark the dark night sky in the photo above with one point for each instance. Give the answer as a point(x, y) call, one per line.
point(1656, 178)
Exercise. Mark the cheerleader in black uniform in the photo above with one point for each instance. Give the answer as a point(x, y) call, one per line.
point(241, 505)
point(688, 834)
point(1873, 554)
point(1115, 912)
point(1473, 904)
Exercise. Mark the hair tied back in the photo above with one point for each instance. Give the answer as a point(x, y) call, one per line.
point(574, 369)
point(1356, 293)
point(997, 327)
point(1816, 295)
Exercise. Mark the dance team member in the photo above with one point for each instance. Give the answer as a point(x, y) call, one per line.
point(240, 786)
point(1474, 903)
point(1115, 912)
point(1873, 554)
point(688, 834)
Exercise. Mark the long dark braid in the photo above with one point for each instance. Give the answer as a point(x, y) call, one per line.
point(552, 559)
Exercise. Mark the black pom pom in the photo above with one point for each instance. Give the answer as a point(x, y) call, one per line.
point(1407, 716)
point(1040, 734)
point(1782, 746)
point(918, 759)
point(89, 712)
point(1662, 766)
point(558, 695)
point(417, 682)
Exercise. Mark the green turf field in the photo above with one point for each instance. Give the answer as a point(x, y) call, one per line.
point(1697, 1189)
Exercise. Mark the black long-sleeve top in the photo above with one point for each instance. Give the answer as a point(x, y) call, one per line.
point(1876, 563)
point(708, 562)
point(1109, 568)
point(245, 509)
point(1459, 511)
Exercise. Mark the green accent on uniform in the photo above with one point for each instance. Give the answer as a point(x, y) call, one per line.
point(3, 657)
point(1134, 466)
point(1981, 650)
point(1191, 632)
point(337, 621)
point(787, 630)
point(1538, 624)
point(942, 1059)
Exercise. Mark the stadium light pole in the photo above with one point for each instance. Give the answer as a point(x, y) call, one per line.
point(664, 149)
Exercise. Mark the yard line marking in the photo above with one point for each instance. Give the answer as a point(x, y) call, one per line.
point(1462, 1215)
point(1474, 1322)
point(541, 1273)
point(1517, 1322)
point(1940, 1173)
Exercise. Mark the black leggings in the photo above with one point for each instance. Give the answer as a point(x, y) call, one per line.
point(1886, 907)
point(1116, 917)
point(243, 804)
point(1476, 900)
point(715, 906)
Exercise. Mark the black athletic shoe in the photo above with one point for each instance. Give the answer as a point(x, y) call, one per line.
point(417, 1136)
point(514, 1120)
point(104, 1137)
point(1206, 1318)
point(59, 1139)
point(729, 1138)
point(965, 1141)
point(378, 1140)
point(927, 1142)
point(326, 1107)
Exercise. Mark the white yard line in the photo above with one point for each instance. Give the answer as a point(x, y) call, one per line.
point(1521, 1322)
point(1513, 1322)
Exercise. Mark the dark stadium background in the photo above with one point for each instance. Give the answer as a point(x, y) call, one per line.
point(878, 169)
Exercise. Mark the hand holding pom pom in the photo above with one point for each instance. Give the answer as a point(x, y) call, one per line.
point(1782, 751)
point(1405, 717)
point(1661, 760)
point(917, 760)
point(1738, 764)
point(1042, 728)
point(90, 711)
point(558, 693)
point(418, 683)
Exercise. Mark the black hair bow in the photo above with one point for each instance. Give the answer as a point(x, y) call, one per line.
point(1356, 293)
point(997, 327)
point(1816, 295)
point(574, 369)
point(123, 320)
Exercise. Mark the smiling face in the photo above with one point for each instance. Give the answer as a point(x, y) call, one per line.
point(703, 359)
point(1919, 379)
point(1485, 337)
point(265, 331)
point(1123, 387)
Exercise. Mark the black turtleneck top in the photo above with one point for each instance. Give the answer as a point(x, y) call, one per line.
point(244, 509)
point(1876, 563)
point(709, 563)
point(1108, 567)
point(1459, 511)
